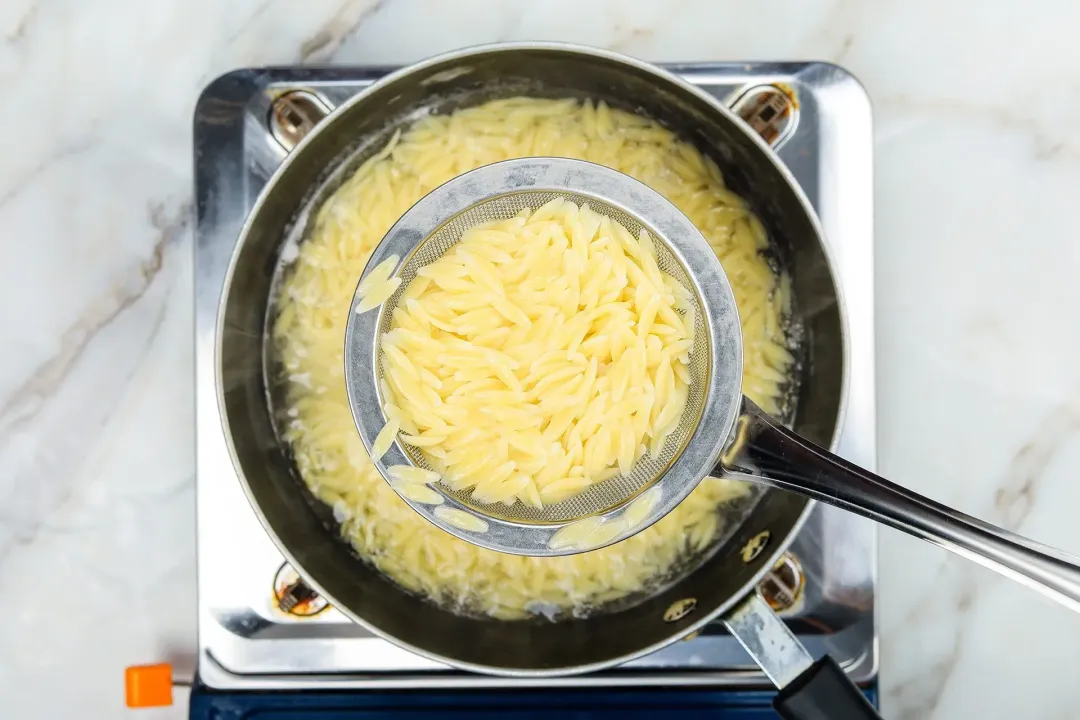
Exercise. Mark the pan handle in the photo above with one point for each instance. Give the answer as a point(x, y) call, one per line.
point(765, 451)
point(808, 690)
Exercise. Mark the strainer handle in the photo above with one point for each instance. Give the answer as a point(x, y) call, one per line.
point(765, 451)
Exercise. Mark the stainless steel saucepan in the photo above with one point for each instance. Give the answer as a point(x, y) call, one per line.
point(720, 583)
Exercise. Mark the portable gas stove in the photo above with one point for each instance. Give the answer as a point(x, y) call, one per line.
point(262, 631)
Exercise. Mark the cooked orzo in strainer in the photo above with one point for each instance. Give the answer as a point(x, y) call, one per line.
point(539, 355)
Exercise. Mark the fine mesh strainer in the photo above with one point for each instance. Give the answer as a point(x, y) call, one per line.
point(719, 429)
point(500, 191)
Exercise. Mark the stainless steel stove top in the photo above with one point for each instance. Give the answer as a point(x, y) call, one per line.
point(247, 639)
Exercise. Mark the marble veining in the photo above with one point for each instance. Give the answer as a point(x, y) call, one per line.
point(977, 173)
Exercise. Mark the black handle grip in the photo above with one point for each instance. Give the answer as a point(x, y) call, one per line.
point(824, 692)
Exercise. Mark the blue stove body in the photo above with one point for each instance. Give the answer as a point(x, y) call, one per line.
point(584, 704)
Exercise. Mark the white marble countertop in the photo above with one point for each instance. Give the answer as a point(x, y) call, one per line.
point(977, 180)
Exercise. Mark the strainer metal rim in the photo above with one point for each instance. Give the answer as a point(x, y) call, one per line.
point(717, 302)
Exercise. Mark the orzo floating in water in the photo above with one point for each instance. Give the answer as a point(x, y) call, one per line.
point(317, 292)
